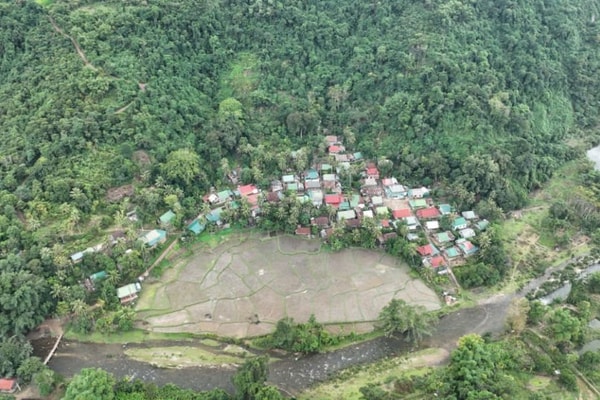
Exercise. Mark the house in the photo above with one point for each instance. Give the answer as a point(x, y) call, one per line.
point(445, 209)
point(344, 205)
point(343, 158)
point(467, 233)
point(336, 149)
point(467, 247)
point(329, 181)
point(325, 168)
point(311, 175)
point(384, 223)
point(77, 257)
point(418, 193)
point(377, 201)
point(412, 237)
point(98, 276)
point(432, 225)
point(428, 213)
point(437, 261)
point(333, 200)
point(355, 201)
point(483, 224)
point(316, 196)
point(383, 239)
point(293, 186)
point(330, 140)
point(395, 191)
point(427, 250)
point(276, 186)
point(443, 237)
point(348, 214)
point(196, 227)
point(303, 231)
point(224, 195)
point(469, 215)
point(371, 171)
point(412, 222)
point(154, 237)
point(288, 179)
point(312, 185)
point(9, 385)
point(369, 182)
point(166, 218)
point(459, 223)
point(215, 216)
point(367, 214)
point(451, 252)
point(129, 293)
point(320, 222)
point(389, 181)
point(401, 213)
point(416, 204)
point(274, 197)
point(247, 190)
point(357, 156)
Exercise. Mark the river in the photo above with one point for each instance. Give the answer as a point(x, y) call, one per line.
point(292, 374)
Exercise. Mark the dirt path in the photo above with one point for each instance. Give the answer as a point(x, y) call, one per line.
point(75, 44)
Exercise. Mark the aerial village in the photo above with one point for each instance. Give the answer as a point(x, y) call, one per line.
point(385, 200)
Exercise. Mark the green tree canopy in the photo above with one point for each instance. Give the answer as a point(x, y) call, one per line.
point(91, 384)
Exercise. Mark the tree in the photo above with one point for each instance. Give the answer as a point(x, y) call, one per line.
point(13, 353)
point(564, 327)
point(45, 381)
point(24, 301)
point(398, 317)
point(182, 166)
point(91, 384)
point(516, 318)
point(250, 378)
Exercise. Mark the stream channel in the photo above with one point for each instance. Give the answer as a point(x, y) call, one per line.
point(291, 373)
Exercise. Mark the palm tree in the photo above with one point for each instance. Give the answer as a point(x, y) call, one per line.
point(401, 318)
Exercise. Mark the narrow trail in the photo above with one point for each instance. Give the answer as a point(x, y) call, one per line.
point(75, 44)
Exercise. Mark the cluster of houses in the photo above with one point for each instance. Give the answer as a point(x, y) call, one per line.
point(384, 200)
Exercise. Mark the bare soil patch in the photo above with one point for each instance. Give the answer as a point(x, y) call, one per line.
point(243, 287)
point(119, 192)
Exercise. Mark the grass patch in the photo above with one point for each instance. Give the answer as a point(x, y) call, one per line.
point(210, 342)
point(242, 77)
point(347, 384)
point(133, 336)
point(44, 3)
point(181, 356)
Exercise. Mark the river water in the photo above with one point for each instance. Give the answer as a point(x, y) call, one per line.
point(594, 156)
point(291, 374)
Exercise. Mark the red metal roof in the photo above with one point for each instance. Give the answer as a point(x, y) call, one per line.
point(247, 190)
point(437, 261)
point(303, 231)
point(426, 250)
point(335, 149)
point(430, 212)
point(372, 171)
point(385, 223)
point(7, 385)
point(333, 199)
point(401, 213)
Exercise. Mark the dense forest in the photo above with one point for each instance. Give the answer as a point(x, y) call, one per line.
point(484, 99)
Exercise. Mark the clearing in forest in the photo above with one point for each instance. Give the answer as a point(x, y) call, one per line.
point(243, 286)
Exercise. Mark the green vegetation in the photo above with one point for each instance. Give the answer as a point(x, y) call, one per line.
point(121, 105)
point(399, 318)
point(180, 356)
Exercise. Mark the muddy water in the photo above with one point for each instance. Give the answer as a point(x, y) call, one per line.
point(292, 374)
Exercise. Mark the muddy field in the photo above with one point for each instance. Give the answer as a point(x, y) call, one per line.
point(245, 285)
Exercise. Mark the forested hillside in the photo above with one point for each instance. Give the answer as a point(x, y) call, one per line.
point(479, 96)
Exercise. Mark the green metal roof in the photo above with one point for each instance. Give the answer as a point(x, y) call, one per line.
point(167, 217)
point(459, 222)
point(418, 203)
point(196, 227)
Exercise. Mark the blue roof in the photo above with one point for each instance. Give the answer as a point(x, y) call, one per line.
point(312, 174)
point(153, 237)
point(196, 227)
point(358, 155)
point(214, 215)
